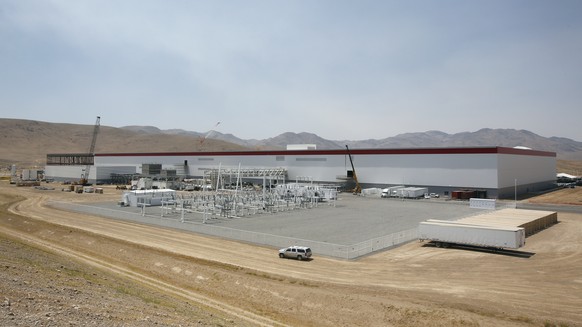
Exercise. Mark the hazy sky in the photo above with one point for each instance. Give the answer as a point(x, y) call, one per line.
point(340, 69)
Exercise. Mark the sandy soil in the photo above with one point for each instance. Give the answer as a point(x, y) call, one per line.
point(134, 275)
point(567, 196)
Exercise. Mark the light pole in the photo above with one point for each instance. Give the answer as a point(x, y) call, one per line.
point(515, 192)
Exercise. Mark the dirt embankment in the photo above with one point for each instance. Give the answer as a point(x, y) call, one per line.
point(84, 270)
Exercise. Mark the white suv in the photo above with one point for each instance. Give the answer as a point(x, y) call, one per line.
point(295, 252)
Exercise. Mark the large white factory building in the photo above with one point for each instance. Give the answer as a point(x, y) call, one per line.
point(498, 171)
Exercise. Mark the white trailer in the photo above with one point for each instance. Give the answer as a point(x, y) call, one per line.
point(446, 233)
point(372, 192)
point(412, 192)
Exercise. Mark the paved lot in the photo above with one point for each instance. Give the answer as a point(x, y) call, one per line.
point(352, 220)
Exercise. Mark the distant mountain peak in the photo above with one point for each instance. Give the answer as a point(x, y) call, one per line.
point(505, 137)
point(143, 129)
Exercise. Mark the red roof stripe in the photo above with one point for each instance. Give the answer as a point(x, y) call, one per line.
point(476, 150)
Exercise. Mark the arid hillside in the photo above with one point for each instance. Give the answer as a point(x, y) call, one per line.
point(572, 167)
point(26, 142)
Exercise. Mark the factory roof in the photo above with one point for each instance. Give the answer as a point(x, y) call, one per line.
point(406, 151)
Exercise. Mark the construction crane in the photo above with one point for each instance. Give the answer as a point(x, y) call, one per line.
point(85, 178)
point(212, 131)
point(358, 188)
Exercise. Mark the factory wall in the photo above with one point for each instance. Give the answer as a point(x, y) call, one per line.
point(493, 169)
point(526, 169)
point(97, 173)
point(103, 173)
point(525, 174)
point(66, 173)
point(456, 170)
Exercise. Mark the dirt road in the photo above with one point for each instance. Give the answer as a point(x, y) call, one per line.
point(246, 284)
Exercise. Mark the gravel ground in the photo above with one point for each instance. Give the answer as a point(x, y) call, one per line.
point(43, 289)
point(67, 269)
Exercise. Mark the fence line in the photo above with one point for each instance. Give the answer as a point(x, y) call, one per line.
point(320, 248)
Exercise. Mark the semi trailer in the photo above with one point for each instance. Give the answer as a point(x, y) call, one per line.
point(443, 234)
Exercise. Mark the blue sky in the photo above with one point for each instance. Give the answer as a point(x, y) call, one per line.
point(340, 69)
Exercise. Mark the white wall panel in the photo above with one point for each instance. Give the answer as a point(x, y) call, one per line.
point(482, 168)
point(73, 173)
point(526, 169)
point(458, 170)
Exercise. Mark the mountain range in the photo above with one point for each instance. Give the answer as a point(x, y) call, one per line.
point(27, 142)
point(565, 148)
